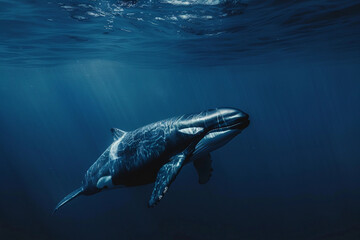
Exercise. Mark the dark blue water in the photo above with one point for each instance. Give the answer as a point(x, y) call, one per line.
point(71, 70)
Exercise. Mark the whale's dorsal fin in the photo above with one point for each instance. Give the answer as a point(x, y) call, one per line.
point(203, 168)
point(117, 133)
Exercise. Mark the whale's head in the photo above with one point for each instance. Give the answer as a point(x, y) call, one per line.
point(229, 118)
point(216, 127)
point(223, 124)
point(219, 118)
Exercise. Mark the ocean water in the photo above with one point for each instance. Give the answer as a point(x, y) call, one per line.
point(71, 70)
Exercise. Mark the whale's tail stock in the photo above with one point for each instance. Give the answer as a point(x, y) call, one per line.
point(69, 197)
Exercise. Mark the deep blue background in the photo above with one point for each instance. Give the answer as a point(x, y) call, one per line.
point(70, 70)
point(292, 174)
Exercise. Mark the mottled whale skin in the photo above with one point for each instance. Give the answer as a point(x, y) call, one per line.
point(157, 152)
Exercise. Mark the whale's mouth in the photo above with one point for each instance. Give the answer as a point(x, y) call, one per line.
point(218, 137)
point(240, 125)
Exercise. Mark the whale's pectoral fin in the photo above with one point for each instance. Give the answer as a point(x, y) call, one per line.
point(117, 133)
point(203, 168)
point(165, 177)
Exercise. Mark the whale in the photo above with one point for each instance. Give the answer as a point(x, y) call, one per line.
point(156, 153)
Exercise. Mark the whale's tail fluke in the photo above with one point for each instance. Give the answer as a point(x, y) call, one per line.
point(69, 197)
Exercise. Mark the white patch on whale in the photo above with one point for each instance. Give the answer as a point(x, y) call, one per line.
point(114, 148)
point(104, 182)
point(191, 130)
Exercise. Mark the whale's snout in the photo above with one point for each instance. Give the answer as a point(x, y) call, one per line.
point(232, 117)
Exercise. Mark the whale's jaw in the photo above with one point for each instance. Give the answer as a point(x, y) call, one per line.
point(214, 140)
point(235, 121)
